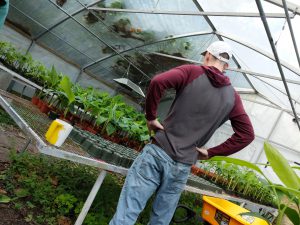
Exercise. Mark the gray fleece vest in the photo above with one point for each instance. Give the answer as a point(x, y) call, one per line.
point(197, 111)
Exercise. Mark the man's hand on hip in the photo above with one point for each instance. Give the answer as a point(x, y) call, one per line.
point(154, 125)
point(203, 153)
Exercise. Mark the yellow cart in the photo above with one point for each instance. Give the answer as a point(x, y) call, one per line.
point(218, 211)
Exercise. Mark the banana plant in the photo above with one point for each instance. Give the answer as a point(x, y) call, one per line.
point(288, 177)
point(53, 78)
point(66, 87)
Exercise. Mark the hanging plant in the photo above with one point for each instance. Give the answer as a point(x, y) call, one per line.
point(91, 17)
point(61, 2)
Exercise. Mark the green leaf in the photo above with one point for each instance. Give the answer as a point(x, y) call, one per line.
point(110, 129)
point(4, 199)
point(296, 167)
point(292, 214)
point(21, 193)
point(287, 191)
point(144, 137)
point(281, 167)
point(254, 214)
point(237, 162)
point(66, 86)
point(101, 119)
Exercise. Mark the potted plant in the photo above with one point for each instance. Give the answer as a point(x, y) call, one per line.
point(66, 86)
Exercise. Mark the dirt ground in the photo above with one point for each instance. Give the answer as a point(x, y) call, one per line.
point(11, 138)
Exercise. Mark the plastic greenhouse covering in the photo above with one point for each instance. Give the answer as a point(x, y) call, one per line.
point(148, 37)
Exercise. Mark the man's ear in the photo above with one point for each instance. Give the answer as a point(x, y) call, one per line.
point(225, 67)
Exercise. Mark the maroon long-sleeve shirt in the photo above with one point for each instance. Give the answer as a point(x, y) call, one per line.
point(204, 100)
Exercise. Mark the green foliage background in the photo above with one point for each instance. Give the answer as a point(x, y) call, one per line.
point(49, 188)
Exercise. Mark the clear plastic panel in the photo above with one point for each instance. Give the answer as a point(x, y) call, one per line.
point(254, 61)
point(288, 154)
point(69, 53)
point(287, 132)
point(271, 93)
point(262, 117)
point(256, 98)
point(42, 11)
point(285, 45)
point(238, 6)
point(107, 70)
point(157, 25)
point(225, 132)
point(244, 27)
point(78, 36)
point(23, 22)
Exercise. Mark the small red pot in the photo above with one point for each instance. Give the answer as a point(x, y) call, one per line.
point(91, 130)
point(34, 100)
point(45, 108)
point(40, 103)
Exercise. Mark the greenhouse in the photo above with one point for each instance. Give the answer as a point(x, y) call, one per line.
point(75, 85)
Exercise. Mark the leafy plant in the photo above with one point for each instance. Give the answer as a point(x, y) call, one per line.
point(90, 104)
point(59, 188)
point(66, 86)
point(290, 180)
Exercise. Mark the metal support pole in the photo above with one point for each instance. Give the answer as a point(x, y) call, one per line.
point(188, 13)
point(30, 46)
point(78, 76)
point(291, 6)
point(269, 136)
point(90, 198)
point(264, 20)
point(26, 145)
point(291, 30)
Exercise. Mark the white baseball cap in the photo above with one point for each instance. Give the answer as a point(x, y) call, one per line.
point(217, 48)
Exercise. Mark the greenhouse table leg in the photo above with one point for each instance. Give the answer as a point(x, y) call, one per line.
point(26, 145)
point(90, 198)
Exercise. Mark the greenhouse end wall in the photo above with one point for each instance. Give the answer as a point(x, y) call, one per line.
point(22, 43)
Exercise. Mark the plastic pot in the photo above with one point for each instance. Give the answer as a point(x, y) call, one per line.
point(35, 100)
point(86, 144)
point(45, 108)
point(53, 115)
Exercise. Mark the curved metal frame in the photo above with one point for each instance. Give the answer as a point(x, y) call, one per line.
point(262, 52)
point(230, 69)
point(291, 30)
point(151, 43)
point(265, 23)
point(48, 31)
point(99, 38)
point(190, 13)
point(291, 7)
point(64, 19)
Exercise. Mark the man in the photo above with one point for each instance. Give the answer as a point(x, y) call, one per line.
point(204, 100)
point(3, 11)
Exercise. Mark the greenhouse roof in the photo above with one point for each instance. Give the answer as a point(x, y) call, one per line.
point(112, 39)
point(138, 39)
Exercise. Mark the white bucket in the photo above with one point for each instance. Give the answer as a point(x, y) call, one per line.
point(58, 132)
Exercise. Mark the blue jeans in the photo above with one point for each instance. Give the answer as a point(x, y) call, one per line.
point(152, 171)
